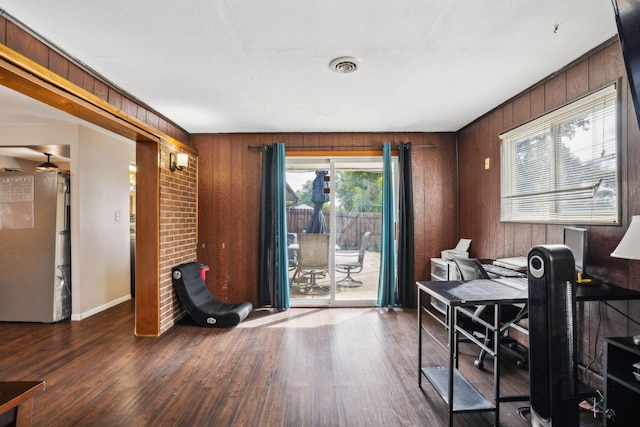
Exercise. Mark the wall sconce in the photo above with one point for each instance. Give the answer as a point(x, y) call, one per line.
point(178, 161)
point(629, 248)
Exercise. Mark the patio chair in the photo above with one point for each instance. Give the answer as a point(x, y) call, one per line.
point(292, 239)
point(313, 261)
point(353, 266)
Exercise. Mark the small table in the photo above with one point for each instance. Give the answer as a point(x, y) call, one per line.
point(19, 395)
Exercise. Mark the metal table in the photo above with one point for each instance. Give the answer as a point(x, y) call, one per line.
point(459, 296)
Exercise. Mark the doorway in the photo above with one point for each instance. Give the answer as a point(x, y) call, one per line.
point(341, 198)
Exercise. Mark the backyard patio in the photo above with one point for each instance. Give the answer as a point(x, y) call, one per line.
point(367, 291)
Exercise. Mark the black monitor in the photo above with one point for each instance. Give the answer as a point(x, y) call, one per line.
point(576, 240)
point(627, 13)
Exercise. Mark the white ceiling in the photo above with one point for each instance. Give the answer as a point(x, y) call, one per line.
point(262, 66)
point(17, 109)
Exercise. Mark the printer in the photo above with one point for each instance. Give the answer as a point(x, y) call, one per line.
point(460, 251)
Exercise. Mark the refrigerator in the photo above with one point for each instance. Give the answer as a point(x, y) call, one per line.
point(35, 247)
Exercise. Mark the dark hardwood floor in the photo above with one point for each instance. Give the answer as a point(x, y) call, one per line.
point(302, 367)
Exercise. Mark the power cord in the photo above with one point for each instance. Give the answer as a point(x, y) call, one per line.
point(595, 348)
point(595, 344)
point(620, 312)
point(596, 407)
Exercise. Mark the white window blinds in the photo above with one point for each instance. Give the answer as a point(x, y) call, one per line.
point(563, 167)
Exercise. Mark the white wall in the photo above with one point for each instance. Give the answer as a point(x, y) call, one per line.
point(100, 259)
point(102, 188)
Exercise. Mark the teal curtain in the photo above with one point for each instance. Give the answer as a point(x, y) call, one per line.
point(387, 281)
point(273, 258)
point(281, 289)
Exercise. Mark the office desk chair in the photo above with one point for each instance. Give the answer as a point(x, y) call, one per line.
point(471, 268)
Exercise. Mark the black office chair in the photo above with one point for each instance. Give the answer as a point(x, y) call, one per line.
point(471, 268)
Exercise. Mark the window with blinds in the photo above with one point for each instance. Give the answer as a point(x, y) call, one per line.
point(563, 167)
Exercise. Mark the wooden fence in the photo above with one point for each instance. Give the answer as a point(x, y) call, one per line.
point(351, 226)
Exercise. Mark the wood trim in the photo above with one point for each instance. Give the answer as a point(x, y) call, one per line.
point(29, 85)
point(148, 239)
point(30, 78)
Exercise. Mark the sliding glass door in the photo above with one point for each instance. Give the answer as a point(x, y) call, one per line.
point(334, 218)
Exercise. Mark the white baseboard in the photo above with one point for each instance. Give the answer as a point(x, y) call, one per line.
point(100, 308)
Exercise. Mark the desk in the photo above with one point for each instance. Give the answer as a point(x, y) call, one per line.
point(457, 295)
point(604, 292)
point(19, 395)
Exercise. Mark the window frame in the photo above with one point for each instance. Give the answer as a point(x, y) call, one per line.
point(555, 197)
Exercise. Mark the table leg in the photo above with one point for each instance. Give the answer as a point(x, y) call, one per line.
point(419, 337)
point(453, 357)
point(496, 360)
point(24, 413)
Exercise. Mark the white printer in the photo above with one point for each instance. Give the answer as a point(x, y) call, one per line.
point(460, 251)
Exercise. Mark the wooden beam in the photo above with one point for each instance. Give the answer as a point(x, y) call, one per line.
point(32, 79)
point(147, 239)
point(30, 85)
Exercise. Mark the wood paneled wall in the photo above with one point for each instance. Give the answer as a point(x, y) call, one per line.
point(229, 196)
point(480, 189)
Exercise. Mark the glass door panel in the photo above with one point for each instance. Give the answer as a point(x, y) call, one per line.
point(308, 225)
point(350, 213)
point(358, 220)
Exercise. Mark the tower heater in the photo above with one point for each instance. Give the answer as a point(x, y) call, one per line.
point(553, 365)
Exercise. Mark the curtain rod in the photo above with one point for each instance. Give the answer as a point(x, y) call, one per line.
point(333, 147)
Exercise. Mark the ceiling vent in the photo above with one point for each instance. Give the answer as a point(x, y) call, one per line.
point(344, 64)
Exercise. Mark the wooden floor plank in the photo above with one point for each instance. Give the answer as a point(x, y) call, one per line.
point(301, 367)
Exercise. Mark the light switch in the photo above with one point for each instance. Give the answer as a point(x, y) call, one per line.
point(117, 216)
point(487, 163)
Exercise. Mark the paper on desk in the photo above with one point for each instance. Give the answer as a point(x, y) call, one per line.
point(463, 245)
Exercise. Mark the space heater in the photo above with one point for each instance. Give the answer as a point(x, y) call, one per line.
point(553, 365)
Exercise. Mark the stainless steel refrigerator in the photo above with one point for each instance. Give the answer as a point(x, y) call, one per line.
point(35, 247)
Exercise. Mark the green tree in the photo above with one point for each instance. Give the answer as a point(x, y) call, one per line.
point(356, 191)
point(304, 194)
point(359, 191)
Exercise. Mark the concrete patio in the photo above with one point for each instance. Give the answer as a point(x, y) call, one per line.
point(367, 291)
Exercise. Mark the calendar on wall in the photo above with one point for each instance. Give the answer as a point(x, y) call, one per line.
point(16, 202)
